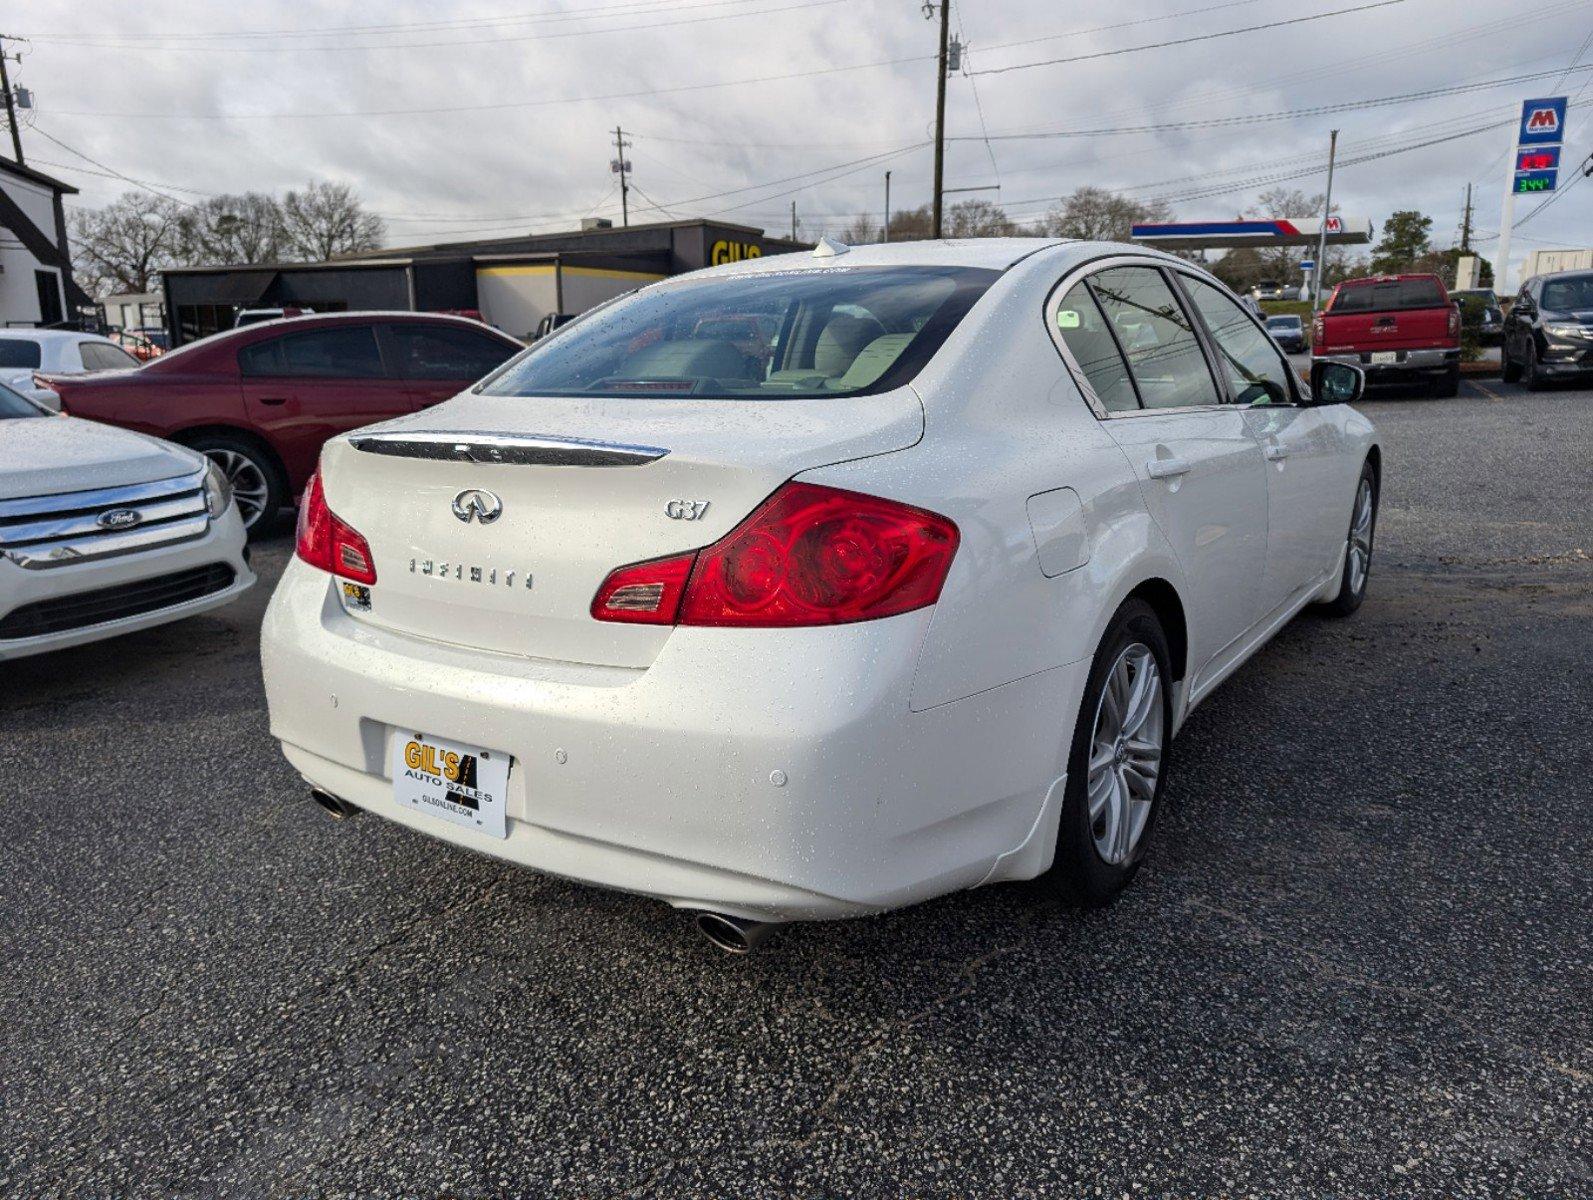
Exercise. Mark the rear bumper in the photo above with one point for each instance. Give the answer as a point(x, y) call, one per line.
point(20, 588)
point(770, 774)
point(1406, 363)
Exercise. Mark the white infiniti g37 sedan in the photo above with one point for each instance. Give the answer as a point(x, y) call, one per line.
point(821, 584)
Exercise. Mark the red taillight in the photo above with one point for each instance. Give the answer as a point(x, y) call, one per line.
point(1318, 326)
point(1454, 321)
point(808, 555)
point(644, 593)
point(327, 541)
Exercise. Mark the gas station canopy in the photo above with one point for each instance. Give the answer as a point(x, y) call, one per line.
point(1277, 231)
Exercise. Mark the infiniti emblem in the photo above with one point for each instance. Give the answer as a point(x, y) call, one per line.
point(477, 504)
point(119, 518)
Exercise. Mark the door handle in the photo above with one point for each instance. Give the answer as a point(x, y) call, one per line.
point(272, 400)
point(1166, 468)
point(1277, 453)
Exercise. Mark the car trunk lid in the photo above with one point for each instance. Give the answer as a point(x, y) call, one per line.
point(571, 488)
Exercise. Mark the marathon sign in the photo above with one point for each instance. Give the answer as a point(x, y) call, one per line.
point(1542, 122)
point(1277, 231)
point(1538, 146)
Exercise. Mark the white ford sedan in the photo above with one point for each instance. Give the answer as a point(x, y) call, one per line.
point(104, 531)
point(817, 585)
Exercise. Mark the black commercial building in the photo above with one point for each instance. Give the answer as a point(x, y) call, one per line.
point(513, 283)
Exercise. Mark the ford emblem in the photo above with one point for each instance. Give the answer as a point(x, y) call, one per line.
point(119, 518)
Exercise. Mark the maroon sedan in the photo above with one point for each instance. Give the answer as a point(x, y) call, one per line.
point(261, 400)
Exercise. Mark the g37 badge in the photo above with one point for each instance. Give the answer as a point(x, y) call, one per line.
point(686, 510)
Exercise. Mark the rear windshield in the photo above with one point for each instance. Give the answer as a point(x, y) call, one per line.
point(1283, 323)
point(1569, 295)
point(1389, 296)
point(14, 352)
point(770, 335)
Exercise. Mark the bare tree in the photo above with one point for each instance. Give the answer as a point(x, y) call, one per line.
point(124, 246)
point(227, 230)
point(326, 219)
point(862, 231)
point(1282, 263)
point(978, 218)
point(1094, 214)
point(912, 224)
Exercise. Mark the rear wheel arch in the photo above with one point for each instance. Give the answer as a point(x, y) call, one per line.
point(1169, 609)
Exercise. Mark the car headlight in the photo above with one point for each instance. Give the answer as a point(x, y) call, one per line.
point(218, 491)
point(1556, 329)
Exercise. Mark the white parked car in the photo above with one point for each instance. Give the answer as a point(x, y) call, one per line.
point(55, 352)
point(900, 584)
point(104, 531)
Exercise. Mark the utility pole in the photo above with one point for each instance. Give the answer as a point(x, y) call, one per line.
point(1465, 224)
point(793, 220)
point(940, 105)
point(1321, 241)
point(11, 105)
point(887, 206)
point(621, 166)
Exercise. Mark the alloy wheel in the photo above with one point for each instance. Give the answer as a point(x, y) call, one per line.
point(250, 488)
point(1360, 550)
point(1125, 753)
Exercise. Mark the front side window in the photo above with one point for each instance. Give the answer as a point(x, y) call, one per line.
point(1256, 371)
point(443, 353)
point(1163, 353)
point(798, 334)
point(347, 352)
point(1084, 331)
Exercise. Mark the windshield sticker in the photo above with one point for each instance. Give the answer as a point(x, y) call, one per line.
point(1067, 318)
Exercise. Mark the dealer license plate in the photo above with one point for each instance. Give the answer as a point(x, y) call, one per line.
point(1384, 358)
point(458, 783)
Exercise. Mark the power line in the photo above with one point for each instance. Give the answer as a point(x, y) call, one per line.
point(436, 45)
point(1279, 115)
point(1204, 37)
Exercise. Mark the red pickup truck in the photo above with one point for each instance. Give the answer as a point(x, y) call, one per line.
point(1397, 328)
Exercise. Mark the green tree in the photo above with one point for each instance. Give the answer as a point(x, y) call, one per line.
point(1406, 237)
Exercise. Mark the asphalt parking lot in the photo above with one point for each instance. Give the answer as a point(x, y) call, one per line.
point(1357, 964)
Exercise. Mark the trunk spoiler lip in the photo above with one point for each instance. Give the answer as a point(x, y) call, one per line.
point(516, 449)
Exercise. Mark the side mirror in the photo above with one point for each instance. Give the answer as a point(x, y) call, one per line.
point(1336, 382)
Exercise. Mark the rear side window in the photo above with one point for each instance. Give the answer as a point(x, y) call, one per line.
point(1390, 295)
point(99, 357)
point(14, 352)
point(1163, 353)
point(346, 352)
point(1084, 331)
point(445, 353)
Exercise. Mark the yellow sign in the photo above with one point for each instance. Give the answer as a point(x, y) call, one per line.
point(729, 252)
point(420, 757)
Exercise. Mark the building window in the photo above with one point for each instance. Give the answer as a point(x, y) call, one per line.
point(202, 320)
point(52, 310)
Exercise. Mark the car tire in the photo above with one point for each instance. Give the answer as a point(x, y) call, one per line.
point(258, 486)
point(1099, 851)
point(1357, 570)
point(1531, 374)
point(1447, 385)
point(1508, 369)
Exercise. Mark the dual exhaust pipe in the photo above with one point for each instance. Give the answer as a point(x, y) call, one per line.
point(733, 935)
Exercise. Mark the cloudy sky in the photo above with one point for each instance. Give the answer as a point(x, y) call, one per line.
point(464, 118)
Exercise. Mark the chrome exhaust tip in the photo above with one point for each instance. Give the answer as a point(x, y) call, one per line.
point(733, 935)
point(336, 807)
